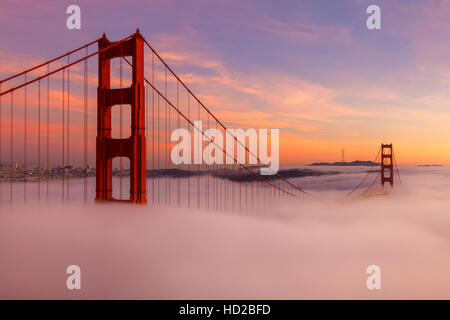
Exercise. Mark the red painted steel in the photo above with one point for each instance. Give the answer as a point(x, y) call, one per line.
point(133, 147)
point(387, 167)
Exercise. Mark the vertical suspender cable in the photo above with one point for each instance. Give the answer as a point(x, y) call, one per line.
point(169, 163)
point(121, 123)
point(252, 191)
point(63, 135)
point(153, 130)
point(167, 195)
point(11, 152)
point(240, 188)
point(396, 167)
point(178, 126)
point(39, 140)
point(279, 190)
point(68, 125)
point(190, 153)
point(198, 165)
point(213, 182)
point(25, 147)
point(224, 177)
point(48, 132)
point(0, 139)
point(146, 137)
point(214, 170)
point(233, 184)
point(85, 129)
point(207, 169)
point(216, 176)
point(246, 182)
point(158, 149)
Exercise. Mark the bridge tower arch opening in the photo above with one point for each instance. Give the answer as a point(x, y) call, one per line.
point(133, 147)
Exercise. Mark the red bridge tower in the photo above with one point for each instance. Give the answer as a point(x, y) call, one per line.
point(387, 167)
point(134, 146)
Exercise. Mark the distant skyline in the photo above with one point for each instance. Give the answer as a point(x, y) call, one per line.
point(310, 68)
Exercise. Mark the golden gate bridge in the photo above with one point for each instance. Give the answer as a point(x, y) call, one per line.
point(45, 128)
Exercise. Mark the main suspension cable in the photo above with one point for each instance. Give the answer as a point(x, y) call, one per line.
point(215, 118)
point(66, 66)
point(362, 181)
point(48, 62)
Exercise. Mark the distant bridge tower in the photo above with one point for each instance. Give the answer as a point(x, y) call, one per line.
point(387, 166)
point(343, 154)
point(132, 147)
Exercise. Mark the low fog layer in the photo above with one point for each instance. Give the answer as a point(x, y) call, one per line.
point(318, 248)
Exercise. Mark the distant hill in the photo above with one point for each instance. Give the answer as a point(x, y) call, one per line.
point(346, 164)
point(429, 165)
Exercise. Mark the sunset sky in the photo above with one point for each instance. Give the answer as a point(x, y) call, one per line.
point(310, 68)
